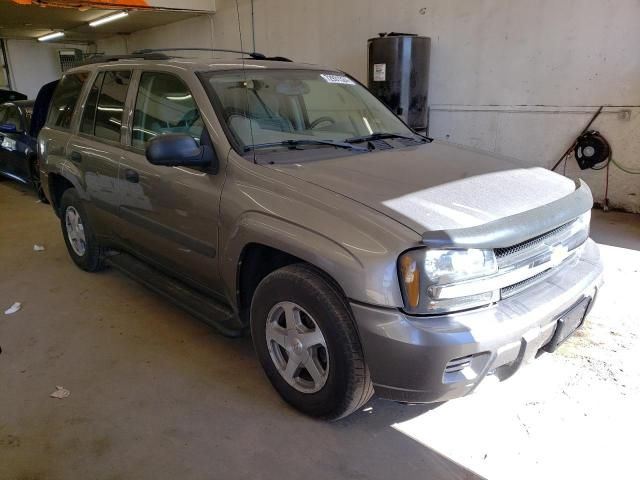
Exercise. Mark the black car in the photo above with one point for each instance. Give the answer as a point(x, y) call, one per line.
point(20, 122)
point(18, 158)
point(11, 96)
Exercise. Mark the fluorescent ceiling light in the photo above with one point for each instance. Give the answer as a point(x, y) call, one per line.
point(50, 36)
point(178, 97)
point(107, 19)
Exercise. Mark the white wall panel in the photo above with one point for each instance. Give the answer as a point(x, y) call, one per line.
point(32, 64)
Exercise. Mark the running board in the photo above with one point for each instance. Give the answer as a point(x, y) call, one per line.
point(218, 315)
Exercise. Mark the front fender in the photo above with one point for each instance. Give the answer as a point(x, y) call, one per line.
point(369, 278)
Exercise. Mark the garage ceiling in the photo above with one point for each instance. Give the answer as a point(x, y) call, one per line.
point(30, 21)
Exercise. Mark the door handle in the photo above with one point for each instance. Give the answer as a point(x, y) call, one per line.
point(131, 176)
point(76, 156)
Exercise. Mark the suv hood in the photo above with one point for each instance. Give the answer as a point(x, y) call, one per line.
point(435, 186)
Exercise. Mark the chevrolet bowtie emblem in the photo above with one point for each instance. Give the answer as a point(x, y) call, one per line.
point(558, 254)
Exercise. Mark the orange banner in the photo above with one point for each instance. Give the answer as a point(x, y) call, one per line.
point(187, 5)
point(115, 4)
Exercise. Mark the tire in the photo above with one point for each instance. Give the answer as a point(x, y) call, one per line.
point(345, 384)
point(34, 168)
point(85, 252)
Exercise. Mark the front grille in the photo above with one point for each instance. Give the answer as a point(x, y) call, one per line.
point(537, 252)
point(502, 254)
point(516, 288)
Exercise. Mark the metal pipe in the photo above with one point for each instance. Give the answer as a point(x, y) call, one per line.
point(619, 109)
point(253, 28)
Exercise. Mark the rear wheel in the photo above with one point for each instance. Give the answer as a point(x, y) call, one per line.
point(81, 242)
point(34, 166)
point(305, 338)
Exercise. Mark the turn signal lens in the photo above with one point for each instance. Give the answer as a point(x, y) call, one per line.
point(411, 278)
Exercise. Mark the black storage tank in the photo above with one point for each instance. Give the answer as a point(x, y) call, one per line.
point(399, 75)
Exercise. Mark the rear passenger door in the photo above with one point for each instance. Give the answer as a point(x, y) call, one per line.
point(97, 148)
point(56, 133)
point(171, 213)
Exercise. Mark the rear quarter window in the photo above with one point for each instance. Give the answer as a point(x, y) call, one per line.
point(65, 99)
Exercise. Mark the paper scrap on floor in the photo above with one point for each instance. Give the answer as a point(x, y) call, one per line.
point(13, 308)
point(60, 392)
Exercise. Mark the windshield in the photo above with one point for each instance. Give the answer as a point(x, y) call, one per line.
point(271, 106)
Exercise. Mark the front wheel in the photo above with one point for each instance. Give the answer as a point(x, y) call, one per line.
point(304, 334)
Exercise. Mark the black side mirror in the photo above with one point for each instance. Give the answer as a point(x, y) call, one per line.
point(180, 150)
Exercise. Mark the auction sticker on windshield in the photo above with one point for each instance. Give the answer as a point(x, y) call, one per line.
point(337, 79)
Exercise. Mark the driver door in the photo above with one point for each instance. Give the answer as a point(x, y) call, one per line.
point(170, 213)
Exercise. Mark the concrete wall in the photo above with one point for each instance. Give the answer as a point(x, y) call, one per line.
point(515, 77)
point(32, 64)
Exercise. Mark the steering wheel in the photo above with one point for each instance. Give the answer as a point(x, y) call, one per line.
point(189, 118)
point(320, 120)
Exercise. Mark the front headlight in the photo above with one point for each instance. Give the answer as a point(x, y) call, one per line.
point(423, 270)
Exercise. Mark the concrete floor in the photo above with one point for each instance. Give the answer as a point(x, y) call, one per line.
point(156, 394)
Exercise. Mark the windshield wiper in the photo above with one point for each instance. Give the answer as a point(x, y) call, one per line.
point(382, 135)
point(292, 144)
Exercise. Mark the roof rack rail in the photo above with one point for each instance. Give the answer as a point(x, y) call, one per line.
point(134, 56)
point(254, 55)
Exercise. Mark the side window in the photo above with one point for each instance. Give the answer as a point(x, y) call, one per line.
point(164, 105)
point(64, 100)
point(108, 117)
point(4, 110)
point(89, 113)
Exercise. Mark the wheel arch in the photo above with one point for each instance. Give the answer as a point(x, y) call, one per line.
point(262, 244)
point(258, 260)
point(57, 185)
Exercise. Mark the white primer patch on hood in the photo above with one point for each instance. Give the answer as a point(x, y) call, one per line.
point(480, 199)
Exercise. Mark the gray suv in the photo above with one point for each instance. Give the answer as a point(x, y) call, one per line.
point(285, 200)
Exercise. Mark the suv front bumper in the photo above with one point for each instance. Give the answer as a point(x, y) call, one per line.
point(437, 358)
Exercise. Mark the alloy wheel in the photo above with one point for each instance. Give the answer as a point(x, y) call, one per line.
point(297, 347)
point(75, 231)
